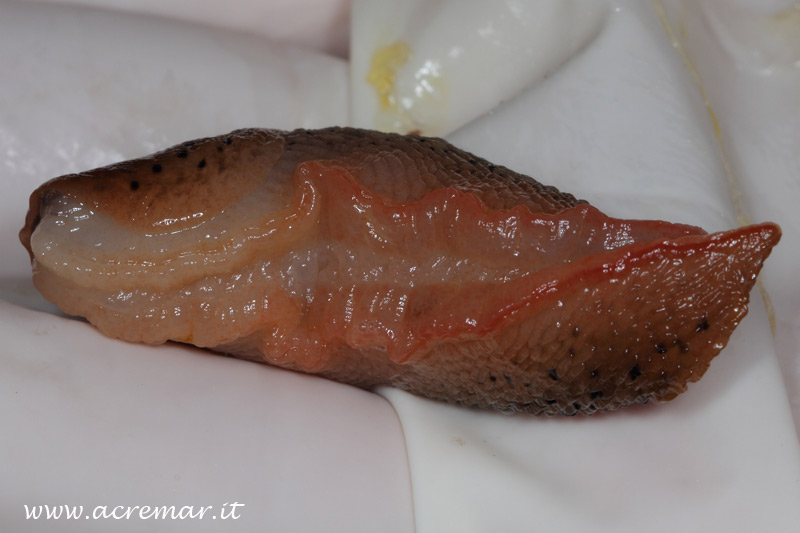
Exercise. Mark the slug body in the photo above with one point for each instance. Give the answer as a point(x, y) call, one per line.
point(380, 259)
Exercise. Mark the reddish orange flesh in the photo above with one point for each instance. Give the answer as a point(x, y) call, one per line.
point(403, 261)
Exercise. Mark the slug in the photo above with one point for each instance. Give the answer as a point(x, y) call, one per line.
point(381, 259)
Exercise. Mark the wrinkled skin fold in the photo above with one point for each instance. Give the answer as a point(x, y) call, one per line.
point(380, 259)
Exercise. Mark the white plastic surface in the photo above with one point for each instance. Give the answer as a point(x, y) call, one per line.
point(312, 24)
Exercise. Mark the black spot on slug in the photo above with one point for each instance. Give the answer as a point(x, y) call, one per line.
point(228, 140)
point(202, 163)
point(635, 372)
point(549, 402)
point(134, 185)
point(157, 168)
point(492, 378)
point(683, 347)
point(702, 325)
point(660, 348)
point(596, 394)
point(182, 154)
point(553, 374)
point(577, 406)
point(594, 373)
point(491, 168)
point(507, 378)
point(219, 148)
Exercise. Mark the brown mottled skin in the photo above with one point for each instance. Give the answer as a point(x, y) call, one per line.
point(520, 318)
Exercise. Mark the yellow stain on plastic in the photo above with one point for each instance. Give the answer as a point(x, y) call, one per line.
point(785, 26)
point(385, 63)
point(789, 17)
